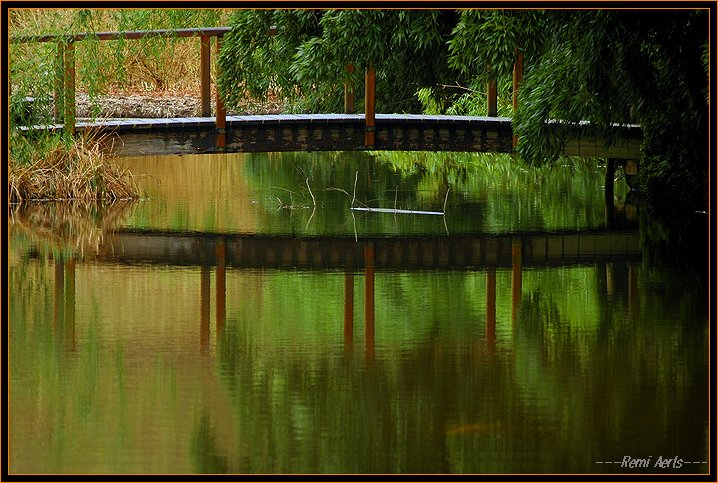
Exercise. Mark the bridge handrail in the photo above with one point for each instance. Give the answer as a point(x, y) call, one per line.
point(124, 34)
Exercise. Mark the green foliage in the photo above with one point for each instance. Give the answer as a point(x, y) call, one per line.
point(308, 57)
point(609, 67)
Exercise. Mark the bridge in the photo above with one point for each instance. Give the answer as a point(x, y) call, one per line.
point(306, 132)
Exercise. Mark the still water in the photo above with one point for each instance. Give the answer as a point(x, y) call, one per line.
point(241, 318)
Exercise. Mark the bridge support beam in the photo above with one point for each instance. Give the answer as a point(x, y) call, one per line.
point(204, 70)
point(518, 76)
point(608, 191)
point(369, 106)
point(349, 93)
point(492, 99)
point(69, 88)
point(221, 120)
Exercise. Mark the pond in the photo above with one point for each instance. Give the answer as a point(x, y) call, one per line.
point(243, 318)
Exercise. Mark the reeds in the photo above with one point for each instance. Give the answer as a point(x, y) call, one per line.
point(55, 168)
point(69, 228)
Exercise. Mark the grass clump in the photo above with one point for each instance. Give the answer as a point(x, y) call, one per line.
point(58, 167)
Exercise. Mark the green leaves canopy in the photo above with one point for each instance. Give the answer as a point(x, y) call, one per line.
point(606, 67)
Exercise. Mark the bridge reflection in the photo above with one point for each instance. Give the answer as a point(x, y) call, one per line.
point(610, 249)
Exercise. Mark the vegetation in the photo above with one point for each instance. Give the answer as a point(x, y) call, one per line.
point(57, 166)
point(607, 67)
point(604, 66)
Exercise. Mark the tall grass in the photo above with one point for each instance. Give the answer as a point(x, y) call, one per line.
point(51, 166)
point(153, 64)
point(55, 167)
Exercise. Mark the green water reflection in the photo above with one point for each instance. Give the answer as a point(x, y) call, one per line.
point(154, 368)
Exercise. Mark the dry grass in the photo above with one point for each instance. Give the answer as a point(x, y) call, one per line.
point(80, 170)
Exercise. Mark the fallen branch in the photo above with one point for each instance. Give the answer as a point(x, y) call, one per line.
point(394, 210)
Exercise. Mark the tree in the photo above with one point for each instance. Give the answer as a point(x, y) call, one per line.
point(607, 67)
point(306, 61)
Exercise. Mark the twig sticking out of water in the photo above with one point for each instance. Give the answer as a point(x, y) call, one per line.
point(310, 193)
point(446, 198)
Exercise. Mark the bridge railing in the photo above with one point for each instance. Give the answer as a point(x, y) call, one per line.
point(64, 91)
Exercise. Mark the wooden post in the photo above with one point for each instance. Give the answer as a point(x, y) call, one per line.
point(60, 83)
point(369, 106)
point(69, 76)
point(608, 190)
point(518, 75)
point(349, 93)
point(491, 99)
point(204, 69)
point(221, 121)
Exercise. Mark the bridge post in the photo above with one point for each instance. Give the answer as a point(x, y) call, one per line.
point(518, 76)
point(69, 80)
point(491, 99)
point(369, 106)
point(60, 83)
point(221, 119)
point(349, 94)
point(608, 190)
point(204, 69)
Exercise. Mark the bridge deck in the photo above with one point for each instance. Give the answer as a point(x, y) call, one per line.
point(334, 132)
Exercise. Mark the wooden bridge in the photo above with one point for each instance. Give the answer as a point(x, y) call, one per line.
point(306, 132)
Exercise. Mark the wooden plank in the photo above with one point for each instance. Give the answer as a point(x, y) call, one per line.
point(126, 34)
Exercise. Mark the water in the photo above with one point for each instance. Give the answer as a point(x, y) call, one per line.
point(341, 358)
